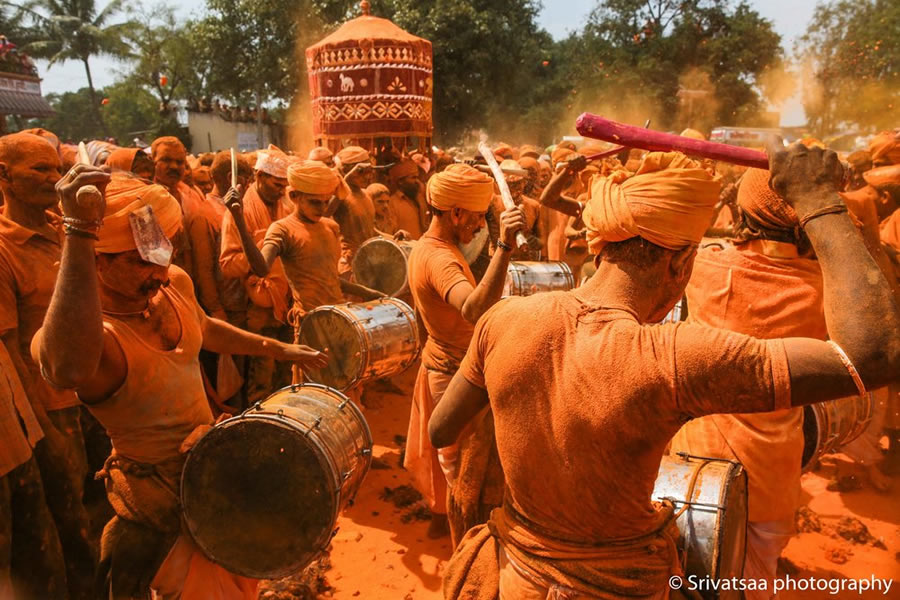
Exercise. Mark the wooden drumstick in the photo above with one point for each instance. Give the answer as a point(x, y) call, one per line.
point(508, 202)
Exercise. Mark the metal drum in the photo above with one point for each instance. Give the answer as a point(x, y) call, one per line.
point(261, 492)
point(368, 340)
point(714, 527)
point(380, 264)
point(524, 278)
point(829, 425)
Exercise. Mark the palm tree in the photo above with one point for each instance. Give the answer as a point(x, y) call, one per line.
point(76, 30)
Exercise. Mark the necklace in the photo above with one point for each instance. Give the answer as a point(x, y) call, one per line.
point(143, 313)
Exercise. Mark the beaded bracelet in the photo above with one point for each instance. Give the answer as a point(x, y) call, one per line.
point(82, 222)
point(78, 232)
point(503, 245)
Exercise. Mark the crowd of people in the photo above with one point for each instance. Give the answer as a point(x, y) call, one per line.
point(146, 293)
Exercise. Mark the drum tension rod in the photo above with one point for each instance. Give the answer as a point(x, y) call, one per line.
point(315, 425)
point(687, 456)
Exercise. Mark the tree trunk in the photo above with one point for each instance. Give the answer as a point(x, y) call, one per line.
point(259, 120)
point(95, 104)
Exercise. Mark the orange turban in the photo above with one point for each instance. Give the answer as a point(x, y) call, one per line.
point(861, 160)
point(757, 199)
point(882, 176)
point(510, 168)
point(122, 158)
point(562, 154)
point(320, 153)
point(504, 150)
point(668, 202)
point(529, 150)
point(312, 177)
point(124, 195)
point(460, 186)
point(693, 134)
point(352, 155)
point(404, 168)
point(885, 148)
point(272, 161)
point(530, 164)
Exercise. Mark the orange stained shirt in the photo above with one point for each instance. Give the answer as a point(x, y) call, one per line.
point(435, 266)
point(310, 254)
point(29, 264)
point(162, 399)
point(408, 214)
point(585, 399)
point(764, 289)
point(19, 429)
point(356, 217)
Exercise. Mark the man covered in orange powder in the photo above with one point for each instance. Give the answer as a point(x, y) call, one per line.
point(531, 208)
point(124, 331)
point(30, 249)
point(385, 220)
point(31, 558)
point(559, 203)
point(408, 199)
point(615, 389)
point(766, 286)
point(885, 148)
point(170, 161)
point(449, 302)
point(306, 241)
point(258, 304)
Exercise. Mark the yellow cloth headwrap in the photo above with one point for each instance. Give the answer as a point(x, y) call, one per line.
point(668, 202)
point(312, 177)
point(124, 195)
point(460, 186)
point(352, 155)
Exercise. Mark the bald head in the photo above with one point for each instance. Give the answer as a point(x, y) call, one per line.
point(29, 169)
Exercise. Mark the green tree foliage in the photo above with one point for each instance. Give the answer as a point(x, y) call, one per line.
point(79, 30)
point(645, 56)
point(130, 112)
point(851, 59)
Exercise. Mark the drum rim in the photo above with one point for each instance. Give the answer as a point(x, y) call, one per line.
point(361, 338)
point(323, 463)
point(514, 271)
point(396, 243)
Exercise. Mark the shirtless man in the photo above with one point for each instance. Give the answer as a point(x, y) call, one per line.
point(578, 517)
point(124, 331)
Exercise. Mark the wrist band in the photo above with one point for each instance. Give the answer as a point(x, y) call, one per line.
point(503, 245)
point(77, 232)
point(854, 374)
point(81, 222)
point(826, 210)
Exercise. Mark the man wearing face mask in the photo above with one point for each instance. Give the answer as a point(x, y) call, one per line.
point(449, 303)
point(124, 331)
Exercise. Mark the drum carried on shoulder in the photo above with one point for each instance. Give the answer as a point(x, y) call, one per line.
point(714, 525)
point(366, 340)
point(524, 278)
point(829, 425)
point(261, 492)
point(381, 264)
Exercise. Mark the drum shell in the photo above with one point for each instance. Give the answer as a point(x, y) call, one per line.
point(829, 425)
point(379, 261)
point(365, 340)
point(714, 533)
point(524, 278)
point(261, 492)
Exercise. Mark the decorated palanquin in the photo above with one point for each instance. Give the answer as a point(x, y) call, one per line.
point(371, 85)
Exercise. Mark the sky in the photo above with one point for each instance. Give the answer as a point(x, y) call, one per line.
point(559, 17)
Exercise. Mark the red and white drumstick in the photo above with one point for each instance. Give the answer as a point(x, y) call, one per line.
point(598, 128)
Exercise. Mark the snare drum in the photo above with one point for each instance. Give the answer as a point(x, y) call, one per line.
point(829, 425)
point(261, 492)
point(368, 340)
point(714, 527)
point(524, 278)
point(381, 264)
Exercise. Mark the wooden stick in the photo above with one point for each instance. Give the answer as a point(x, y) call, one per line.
point(598, 128)
point(508, 201)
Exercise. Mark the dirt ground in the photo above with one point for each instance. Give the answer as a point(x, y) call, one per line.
point(381, 551)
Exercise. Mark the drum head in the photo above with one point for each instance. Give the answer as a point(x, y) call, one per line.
point(331, 329)
point(258, 498)
point(381, 265)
